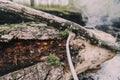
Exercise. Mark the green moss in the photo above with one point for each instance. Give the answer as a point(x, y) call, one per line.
point(53, 60)
point(63, 33)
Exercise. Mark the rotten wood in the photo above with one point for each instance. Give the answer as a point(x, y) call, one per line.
point(57, 22)
point(88, 57)
point(30, 37)
point(19, 54)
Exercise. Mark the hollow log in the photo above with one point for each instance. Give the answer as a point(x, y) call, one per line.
point(57, 22)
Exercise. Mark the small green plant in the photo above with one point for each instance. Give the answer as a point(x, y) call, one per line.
point(52, 60)
point(63, 33)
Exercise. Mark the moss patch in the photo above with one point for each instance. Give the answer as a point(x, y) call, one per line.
point(52, 60)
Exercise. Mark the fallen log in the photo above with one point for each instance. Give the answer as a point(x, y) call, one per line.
point(57, 22)
point(21, 46)
point(88, 55)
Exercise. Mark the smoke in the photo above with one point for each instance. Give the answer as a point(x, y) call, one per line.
point(99, 12)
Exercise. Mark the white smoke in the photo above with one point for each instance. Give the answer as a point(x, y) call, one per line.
point(99, 12)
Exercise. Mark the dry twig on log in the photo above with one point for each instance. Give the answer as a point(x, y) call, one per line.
point(69, 57)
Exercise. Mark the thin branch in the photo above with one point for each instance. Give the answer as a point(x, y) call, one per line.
point(73, 72)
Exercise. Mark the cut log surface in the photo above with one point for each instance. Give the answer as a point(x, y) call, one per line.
point(59, 23)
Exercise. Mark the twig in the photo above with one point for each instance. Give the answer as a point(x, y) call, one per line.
point(73, 72)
